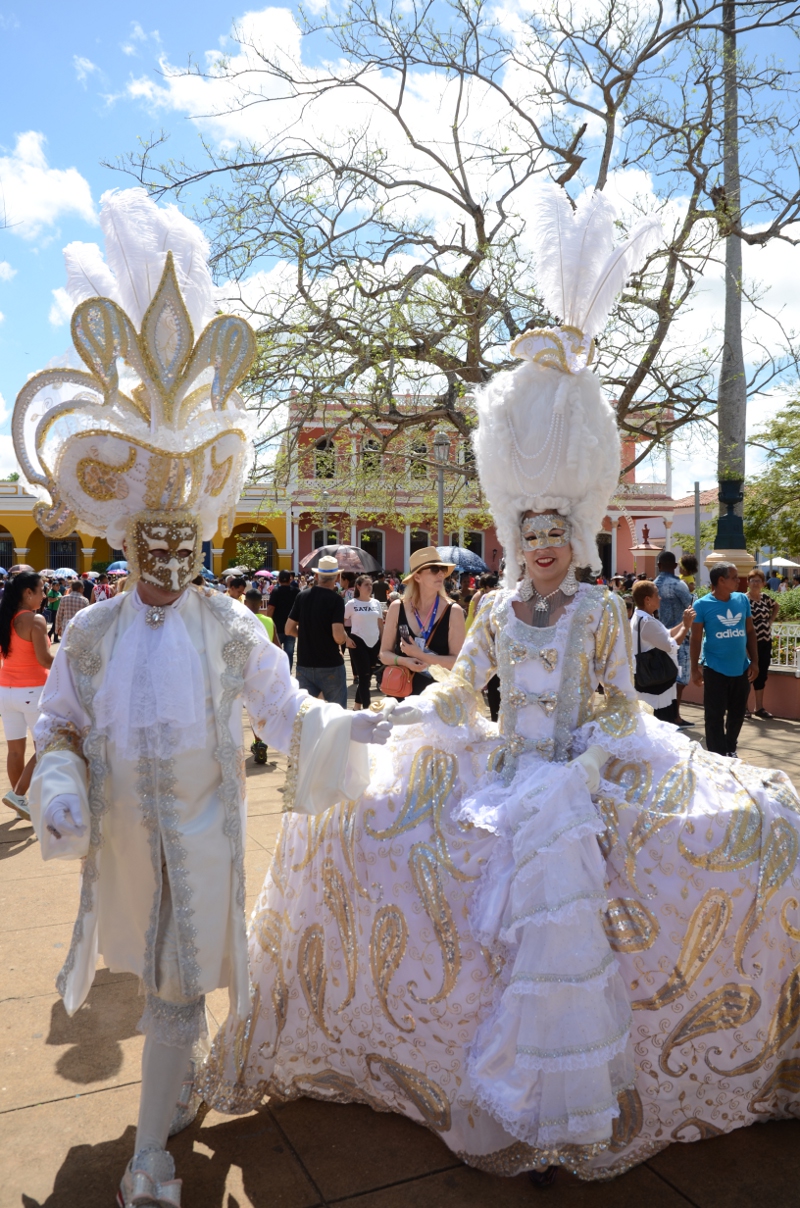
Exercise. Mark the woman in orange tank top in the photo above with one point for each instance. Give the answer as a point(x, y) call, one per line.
point(27, 658)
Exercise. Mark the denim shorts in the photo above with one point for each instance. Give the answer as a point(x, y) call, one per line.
point(328, 682)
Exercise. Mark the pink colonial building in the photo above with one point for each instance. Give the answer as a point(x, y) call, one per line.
point(319, 504)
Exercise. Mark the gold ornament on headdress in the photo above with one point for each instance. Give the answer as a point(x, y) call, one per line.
point(167, 443)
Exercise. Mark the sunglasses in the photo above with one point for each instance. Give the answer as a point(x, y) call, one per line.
point(436, 569)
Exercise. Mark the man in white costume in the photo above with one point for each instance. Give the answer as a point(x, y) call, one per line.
point(140, 748)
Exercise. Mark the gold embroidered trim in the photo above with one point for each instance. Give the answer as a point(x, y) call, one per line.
point(294, 756)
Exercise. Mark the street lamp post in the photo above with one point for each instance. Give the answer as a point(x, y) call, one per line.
point(441, 451)
point(324, 516)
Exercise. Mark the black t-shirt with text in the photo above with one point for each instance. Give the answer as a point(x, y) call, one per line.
point(316, 610)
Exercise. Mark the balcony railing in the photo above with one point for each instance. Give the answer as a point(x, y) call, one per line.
point(642, 488)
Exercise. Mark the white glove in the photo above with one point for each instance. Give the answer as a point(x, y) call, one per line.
point(592, 761)
point(63, 817)
point(403, 713)
point(370, 727)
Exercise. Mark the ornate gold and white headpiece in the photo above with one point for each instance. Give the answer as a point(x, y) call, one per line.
point(547, 441)
point(154, 425)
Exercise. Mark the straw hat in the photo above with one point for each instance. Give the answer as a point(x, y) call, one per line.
point(427, 556)
point(327, 565)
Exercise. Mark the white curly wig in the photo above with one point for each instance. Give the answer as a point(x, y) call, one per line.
point(547, 441)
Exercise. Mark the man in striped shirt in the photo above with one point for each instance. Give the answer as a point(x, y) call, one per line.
point(71, 603)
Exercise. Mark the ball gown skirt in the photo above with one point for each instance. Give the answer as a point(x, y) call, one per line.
point(539, 975)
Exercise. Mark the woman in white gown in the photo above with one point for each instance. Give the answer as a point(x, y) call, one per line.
point(571, 938)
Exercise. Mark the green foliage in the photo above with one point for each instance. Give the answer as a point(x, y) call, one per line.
point(685, 541)
point(772, 498)
point(12, 477)
point(249, 552)
point(100, 566)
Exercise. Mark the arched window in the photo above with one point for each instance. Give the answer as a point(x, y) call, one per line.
point(64, 553)
point(371, 540)
point(474, 543)
point(419, 540)
point(6, 550)
point(419, 453)
point(324, 458)
point(371, 456)
point(319, 538)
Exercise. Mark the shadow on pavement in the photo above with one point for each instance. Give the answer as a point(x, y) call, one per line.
point(109, 1015)
point(16, 835)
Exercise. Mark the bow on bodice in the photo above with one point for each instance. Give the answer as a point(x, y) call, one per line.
point(546, 701)
point(518, 652)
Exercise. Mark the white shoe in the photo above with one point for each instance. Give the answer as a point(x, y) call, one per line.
point(188, 1104)
point(17, 803)
point(149, 1182)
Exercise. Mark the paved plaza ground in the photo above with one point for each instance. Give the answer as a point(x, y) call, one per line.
point(69, 1088)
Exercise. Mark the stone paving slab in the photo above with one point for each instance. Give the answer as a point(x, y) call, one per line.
point(69, 1089)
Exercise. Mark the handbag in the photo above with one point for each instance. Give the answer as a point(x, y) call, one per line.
point(655, 669)
point(397, 680)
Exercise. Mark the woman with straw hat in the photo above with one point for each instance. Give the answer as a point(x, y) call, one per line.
point(424, 629)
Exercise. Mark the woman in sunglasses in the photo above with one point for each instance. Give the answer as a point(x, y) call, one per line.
point(425, 628)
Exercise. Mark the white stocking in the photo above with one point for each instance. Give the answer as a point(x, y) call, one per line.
point(164, 1068)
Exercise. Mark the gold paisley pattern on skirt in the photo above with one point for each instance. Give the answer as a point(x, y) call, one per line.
point(671, 798)
point(426, 1095)
point(706, 929)
point(784, 1080)
point(630, 1120)
point(313, 974)
point(317, 826)
point(347, 836)
point(431, 780)
point(243, 1037)
point(704, 1130)
point(792, 931)
point(387, 948)
point(777, 862)
point(607, 807)
point(635, 779)
point(424, 867)
point(630, 926)
point(337, 899)
point(730, 1006)
point(782, 1027)
point(741, 844)
point(267, 929)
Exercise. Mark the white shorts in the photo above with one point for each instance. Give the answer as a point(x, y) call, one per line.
point(19, 710)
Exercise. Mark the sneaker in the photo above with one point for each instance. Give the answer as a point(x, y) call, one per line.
point(763, 714)
point(149, 1182)
point(20, 804)
point(684, 725)
point(731, 755)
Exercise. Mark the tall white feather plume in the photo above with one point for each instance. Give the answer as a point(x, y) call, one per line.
point(578, 270)
point(138, 235)
point(88, 275)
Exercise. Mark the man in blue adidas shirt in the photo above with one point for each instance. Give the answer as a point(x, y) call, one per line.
point(723, 636)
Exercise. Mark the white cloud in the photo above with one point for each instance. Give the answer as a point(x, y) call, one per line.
point(2, 317)
point(62, 308)
point(137, 34)
point(83, 68)
point(6, 271)
point(33, 195)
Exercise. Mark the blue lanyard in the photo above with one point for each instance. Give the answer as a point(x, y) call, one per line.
point(426, 633)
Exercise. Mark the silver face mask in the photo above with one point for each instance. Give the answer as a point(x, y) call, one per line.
point(548, 531)
point(167, 552)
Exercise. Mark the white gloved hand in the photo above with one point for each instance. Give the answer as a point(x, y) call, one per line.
point(403, 713)
point(592, 761)
point(370, 727)
point(63, 817)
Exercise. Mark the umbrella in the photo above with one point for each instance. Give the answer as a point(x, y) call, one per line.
point(206, 573)
point(463, 559)
point(263, 574)
point(121, 565)
point(349, 557)
point(236, 571)
point(65, 572)
point(92, 574)
point(116, 572)
point(3, 571)
point(779, 563)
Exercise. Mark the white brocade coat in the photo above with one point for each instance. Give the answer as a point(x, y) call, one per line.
point(188, 812)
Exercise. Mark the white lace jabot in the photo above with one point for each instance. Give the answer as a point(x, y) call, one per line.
point(152, 701)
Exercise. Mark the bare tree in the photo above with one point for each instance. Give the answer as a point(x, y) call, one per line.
point(392, 249)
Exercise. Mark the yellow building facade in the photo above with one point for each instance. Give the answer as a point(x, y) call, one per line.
point(22, 541)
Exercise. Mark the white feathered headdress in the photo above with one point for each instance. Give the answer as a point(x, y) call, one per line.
point(547, 440)
point(156, 424)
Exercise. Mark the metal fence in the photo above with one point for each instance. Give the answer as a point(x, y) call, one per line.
point(786, 647)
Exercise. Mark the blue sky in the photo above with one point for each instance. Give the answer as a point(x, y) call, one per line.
point(64, 71)
point(79, 85)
